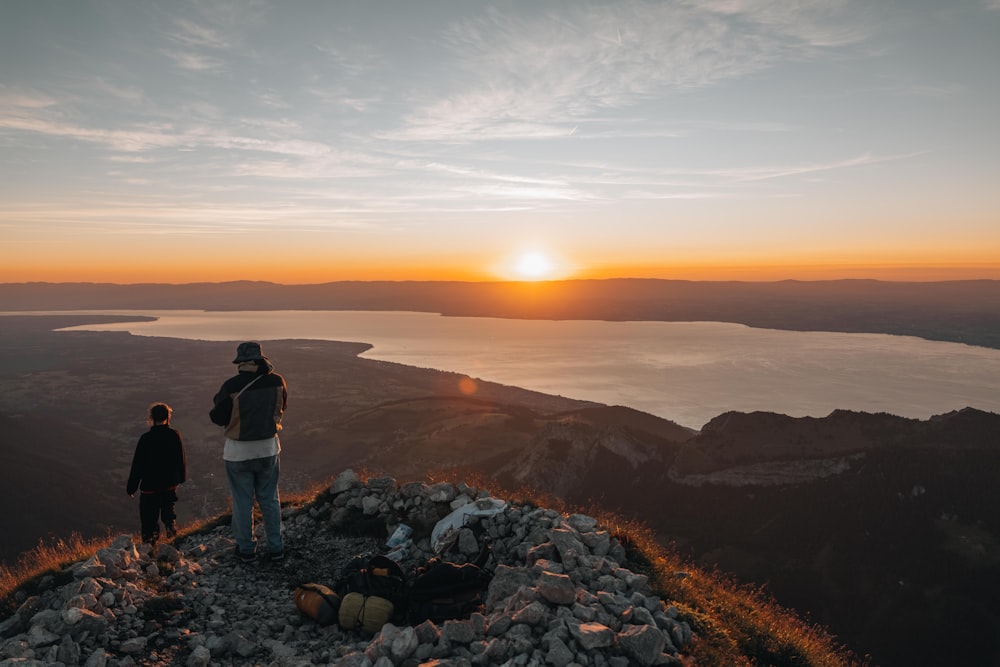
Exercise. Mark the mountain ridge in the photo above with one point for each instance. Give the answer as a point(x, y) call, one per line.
point(905, 522)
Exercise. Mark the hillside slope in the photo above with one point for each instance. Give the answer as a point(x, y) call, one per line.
point(879, 527)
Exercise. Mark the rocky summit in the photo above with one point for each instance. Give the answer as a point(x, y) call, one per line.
point(559, 592)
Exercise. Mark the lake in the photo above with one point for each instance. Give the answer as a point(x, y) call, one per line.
point(687, 372)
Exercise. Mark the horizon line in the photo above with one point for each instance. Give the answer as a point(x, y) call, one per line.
point(497, 281)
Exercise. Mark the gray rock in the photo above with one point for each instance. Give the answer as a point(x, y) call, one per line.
point(200, 657)
point(50, 619)
point(506, 582)
point(345, 481)
point(89, 568)
point(681, 634)
point(280, 649)
point(582, 523)
point(90, 623)
point(392, 643)
point(168, 553)
point(381, 484)
point(218, 646)
point(370, 505)
point(458, 632)
point(642, 643)
point(10, 627)
point(69, 651)
point(467, 542)
point(25, 662)
point(17, 648)
point(442, 492)
point(355, 659)
point(568, 545)
point(557, 588)
point(558, 654)
point(598, 542)
point(39, 637)
point(592, 635)
point(404, 644)
point(99, 658)
point(535, 613)
point(134, 646)
point(427, 633)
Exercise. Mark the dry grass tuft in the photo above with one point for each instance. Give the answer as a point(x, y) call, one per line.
point(46, 558)
point(734, 621)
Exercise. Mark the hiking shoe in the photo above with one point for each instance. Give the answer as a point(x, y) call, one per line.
point(245, 558)
point(277, 556)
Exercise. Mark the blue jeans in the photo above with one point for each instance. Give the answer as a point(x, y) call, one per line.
point(256, 478)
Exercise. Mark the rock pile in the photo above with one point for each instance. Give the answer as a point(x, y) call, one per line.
point(559, 594)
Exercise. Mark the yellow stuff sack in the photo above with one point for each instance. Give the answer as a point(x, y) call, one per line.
point(364, 612)
point(317, 602)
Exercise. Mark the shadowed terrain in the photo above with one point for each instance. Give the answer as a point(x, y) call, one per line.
point(879, 527)
point(73, 404)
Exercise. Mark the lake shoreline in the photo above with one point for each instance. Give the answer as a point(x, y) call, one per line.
point(685, 372)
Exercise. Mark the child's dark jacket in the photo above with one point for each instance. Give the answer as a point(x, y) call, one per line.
point(159, 462)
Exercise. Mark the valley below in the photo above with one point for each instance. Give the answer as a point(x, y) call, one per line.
point(884, 529)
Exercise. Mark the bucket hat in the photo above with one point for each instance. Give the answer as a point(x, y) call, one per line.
point(249, 351)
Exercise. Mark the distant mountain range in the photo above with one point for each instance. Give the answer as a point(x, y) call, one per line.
point(963, 311)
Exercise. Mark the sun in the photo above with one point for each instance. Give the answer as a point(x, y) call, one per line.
point(534, 265)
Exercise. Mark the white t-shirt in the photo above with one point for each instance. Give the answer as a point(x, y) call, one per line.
point(244, 450)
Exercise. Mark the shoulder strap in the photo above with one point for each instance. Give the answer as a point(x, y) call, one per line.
point(247, 386)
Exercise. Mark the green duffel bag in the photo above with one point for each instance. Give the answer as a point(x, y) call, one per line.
point(364, 612)
point(317, 602)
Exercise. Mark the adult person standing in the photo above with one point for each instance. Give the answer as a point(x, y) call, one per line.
point(250, 406)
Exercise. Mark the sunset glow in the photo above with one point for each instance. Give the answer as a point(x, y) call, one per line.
point(187, 143)
point(533, 266)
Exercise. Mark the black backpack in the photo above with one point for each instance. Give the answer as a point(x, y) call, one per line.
point(440, 591)
point(376, 575)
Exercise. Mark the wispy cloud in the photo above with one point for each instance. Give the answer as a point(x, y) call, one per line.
point(127, 94)
point(537, 76)
point(12, 99)
point(354, 60)
point(195, 62)
point(200, 46)
point(779, 171)
point(149, 136)
point(191, 34)
point(123, 140)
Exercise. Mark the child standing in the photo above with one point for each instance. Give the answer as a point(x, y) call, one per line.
point(158, 466)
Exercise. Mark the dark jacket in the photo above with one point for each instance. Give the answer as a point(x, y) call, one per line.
point(159, 463)
point(256, 413)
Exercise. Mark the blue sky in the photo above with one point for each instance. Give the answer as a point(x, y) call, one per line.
point(362, 140)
